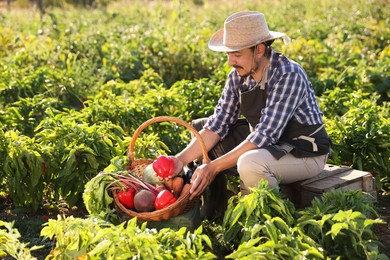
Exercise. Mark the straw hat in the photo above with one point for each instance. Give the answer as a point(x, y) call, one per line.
point(243, 30)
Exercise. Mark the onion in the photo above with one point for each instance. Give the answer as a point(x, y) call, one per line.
point(150, 176)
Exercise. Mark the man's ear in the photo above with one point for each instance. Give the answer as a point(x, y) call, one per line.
point(260, 49)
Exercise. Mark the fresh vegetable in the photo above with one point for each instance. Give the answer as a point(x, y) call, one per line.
point(129, 180)
point(163, 166)
point(164, 199)
point(175, 185)
point(178, 183)
point(160, 187)
point(168, 183)
point(127, 184)
point(144, 201)
point(149, 175)
point(126, 197)
point(96, 195)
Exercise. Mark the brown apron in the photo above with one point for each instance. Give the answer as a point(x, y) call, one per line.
point(253, 101)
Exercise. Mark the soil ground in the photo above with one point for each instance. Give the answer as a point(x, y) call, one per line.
point(29, 225)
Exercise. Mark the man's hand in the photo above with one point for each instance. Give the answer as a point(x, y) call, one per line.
point(202, 177)
point(178, 166)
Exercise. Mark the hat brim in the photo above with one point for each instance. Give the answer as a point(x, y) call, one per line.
point(216, 41)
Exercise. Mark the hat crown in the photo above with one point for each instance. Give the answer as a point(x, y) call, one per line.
point(243, 30)
point(246, 28)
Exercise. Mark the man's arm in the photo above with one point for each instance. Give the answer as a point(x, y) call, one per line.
point(194, 150)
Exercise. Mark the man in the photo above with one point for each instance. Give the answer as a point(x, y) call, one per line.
point(282, 138)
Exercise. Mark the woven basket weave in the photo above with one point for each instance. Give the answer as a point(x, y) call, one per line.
point(137, 167)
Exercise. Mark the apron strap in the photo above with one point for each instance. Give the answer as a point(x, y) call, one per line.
point(310, 139)
point(264, 78)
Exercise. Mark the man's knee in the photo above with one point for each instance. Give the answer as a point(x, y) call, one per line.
point(250, 162)
point(253, 167)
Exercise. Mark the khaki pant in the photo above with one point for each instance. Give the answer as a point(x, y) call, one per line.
point(259, 164)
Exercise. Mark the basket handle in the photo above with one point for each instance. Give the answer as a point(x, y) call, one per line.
point(170, 119)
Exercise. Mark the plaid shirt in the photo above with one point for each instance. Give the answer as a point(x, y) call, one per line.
point(290, 96)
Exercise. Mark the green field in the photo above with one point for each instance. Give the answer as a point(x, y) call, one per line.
point(77, 81)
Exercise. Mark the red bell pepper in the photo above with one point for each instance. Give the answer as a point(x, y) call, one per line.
point(164, 199)
point(126, 197)
point(163, 166)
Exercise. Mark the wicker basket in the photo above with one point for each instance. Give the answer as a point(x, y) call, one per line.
point(137, 166)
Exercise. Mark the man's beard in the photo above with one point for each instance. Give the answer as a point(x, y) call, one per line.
point(255, 67)
point(252, 71)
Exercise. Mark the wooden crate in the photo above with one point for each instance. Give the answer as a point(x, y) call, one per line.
point(331, 178)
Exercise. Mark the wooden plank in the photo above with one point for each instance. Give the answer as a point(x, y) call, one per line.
point(325, 185)
point(336, 181)
point(328, 171)
point(368, 183)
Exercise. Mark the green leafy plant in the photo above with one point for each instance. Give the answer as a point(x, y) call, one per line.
point(24, 170)
point(361, 135)
point(275, 239)
point(26, 114)
point(95, 238)
point(244, 212)
point(97, 199)
point(335, 200)
point(10, 245)
point(200, 96)
point(76, 152)
point(4, 142)
point(345, 233)
point(338, 222)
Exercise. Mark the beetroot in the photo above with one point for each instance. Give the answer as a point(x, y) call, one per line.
point(144, 201)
